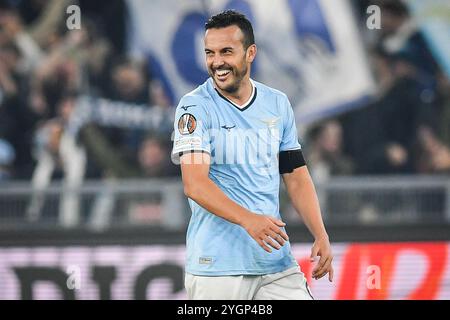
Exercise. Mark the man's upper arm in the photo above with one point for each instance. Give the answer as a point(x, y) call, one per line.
point(296, 176)
point(194, 167)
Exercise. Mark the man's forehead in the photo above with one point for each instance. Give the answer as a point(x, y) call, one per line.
point(223, 37)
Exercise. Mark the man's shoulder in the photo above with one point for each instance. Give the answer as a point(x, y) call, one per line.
point(266, 90)
point(199, 95)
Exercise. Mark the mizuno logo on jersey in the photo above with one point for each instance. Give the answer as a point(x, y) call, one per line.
point(228, 128)
point(187, 107)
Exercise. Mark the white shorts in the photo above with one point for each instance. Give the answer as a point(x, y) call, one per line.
point(287, 285)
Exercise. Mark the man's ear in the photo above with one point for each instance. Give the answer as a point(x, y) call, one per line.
point(251, 53)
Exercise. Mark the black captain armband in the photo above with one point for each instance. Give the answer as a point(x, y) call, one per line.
point(289, 160)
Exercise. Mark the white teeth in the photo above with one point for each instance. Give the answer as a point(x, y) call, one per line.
point(222, 72)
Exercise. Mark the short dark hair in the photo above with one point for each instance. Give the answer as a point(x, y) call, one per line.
point(230, 18)
point(395, 7)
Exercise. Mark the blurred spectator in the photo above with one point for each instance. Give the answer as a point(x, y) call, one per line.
point(43, 19)
point(15, 33)
point(435, 154)
point(15, 125)
point(57, 149)
point(400, 35)
point(152, 161)
point(79, 56)
point(158, 96)
point(326, 159)
point(433, 138)
point(381, 137)
point(110, 18)
point(43, 16)
point(129, 82)
point(325, 156)
point(9, 57)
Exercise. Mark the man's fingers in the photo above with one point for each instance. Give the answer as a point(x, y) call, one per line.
point(275, 236)
point(320, 265)
point(282, 234)
point(330, 274)
point(322, 273)
point(272, 243)
point(264, 246)
point(276, 228)
point(324, 269)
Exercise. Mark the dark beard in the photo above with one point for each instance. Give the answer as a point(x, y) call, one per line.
point(232, 88)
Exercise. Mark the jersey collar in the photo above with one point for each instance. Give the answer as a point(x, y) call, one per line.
point(247, 104)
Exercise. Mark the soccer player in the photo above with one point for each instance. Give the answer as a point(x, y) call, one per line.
point(234, 138)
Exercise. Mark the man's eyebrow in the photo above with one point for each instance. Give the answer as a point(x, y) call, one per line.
point(223, 49)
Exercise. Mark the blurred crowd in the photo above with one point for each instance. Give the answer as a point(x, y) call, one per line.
point(44, 68)
point(405, 128)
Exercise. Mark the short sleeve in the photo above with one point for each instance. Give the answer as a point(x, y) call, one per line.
point(289, 140)
point(191, 128)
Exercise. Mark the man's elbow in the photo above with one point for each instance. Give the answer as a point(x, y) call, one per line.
point(187, 188)
point(191, 190)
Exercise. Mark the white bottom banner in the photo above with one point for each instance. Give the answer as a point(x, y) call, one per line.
point(413, 270)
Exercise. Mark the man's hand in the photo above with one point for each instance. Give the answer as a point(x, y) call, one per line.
point(396, 154)
point(322, 248)
point(265, 230)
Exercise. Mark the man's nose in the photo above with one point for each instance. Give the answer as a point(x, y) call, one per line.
point(217, 61)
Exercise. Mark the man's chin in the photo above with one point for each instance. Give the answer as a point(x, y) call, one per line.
point(225, 86)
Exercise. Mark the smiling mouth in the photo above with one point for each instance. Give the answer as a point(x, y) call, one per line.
point(222, 74)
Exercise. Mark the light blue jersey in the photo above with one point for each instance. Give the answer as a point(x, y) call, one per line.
point(244, 142)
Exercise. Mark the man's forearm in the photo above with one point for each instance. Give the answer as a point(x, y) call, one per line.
point(304, 199)
point(208, 195)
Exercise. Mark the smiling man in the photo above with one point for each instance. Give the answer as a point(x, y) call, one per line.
point(234, 138)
